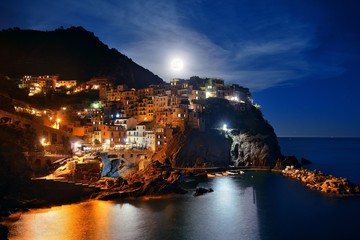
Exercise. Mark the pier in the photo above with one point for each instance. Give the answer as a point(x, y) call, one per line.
point(204, 170)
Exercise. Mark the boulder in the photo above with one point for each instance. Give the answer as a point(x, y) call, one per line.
point(200, 191)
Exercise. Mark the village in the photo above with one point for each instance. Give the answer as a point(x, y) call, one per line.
point(131, 124)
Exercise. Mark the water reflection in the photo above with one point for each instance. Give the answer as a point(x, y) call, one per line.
point(228, 212)
point(283, 209)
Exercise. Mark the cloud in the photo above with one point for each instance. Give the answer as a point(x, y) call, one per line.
point(259, 51)
point(254, 62)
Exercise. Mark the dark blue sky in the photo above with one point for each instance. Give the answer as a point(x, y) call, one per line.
point(300, 58)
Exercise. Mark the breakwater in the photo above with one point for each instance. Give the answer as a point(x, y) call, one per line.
point(321, 181)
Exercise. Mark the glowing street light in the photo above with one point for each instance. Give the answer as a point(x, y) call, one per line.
point(224, 127)
point(44, 142)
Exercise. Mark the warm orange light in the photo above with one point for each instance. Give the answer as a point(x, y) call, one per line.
point(43, 142)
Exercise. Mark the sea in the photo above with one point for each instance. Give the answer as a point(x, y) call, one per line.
point(255, 205)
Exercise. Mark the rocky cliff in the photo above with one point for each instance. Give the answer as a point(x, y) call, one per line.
point(248, 140)
point(208, 148)
point(156, 179)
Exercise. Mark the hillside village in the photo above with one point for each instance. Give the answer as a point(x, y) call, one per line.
point(136, 123)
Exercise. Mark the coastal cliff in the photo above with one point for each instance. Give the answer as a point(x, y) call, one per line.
point(208, 148)
point(247, 140)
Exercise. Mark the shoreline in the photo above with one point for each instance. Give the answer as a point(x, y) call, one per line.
point(24, 205)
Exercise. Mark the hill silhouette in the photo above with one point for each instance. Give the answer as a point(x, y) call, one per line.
point(73, 53)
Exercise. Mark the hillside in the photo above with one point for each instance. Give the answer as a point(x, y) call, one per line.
point(248, 141)
point(73, 53)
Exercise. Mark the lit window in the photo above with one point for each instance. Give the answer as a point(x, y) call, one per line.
point(158, 143)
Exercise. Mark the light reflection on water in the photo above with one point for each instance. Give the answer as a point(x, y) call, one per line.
point(265, 206)
point(229, 210)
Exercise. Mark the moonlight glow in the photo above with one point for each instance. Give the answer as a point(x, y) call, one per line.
point(177, 64)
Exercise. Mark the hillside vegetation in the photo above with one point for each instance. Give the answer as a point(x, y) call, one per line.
point(73, 53)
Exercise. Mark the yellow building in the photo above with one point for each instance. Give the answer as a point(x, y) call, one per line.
point(65, 83)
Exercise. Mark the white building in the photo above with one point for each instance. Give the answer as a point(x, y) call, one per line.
point(136, 137)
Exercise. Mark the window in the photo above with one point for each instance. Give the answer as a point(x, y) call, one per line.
point(53, 138)
point(158, 143)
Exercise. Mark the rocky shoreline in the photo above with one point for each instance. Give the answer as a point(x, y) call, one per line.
point(322, 182)
point(155, 180)
point(159, 179)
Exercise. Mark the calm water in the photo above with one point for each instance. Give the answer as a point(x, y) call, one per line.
point(338, 156)
point(256, 205)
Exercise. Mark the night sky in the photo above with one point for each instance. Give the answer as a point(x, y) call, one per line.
point(300, 58)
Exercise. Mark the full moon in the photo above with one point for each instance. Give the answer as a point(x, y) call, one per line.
point(177, 64)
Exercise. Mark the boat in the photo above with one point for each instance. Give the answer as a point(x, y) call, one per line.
point(210, 175)
point(231, 173)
